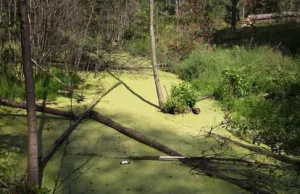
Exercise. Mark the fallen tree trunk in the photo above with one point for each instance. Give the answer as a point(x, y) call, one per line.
point(52, 149)
point(106, 66)
point(44, 109)
point(56, 144)
point(259, 150)
point(274, 15)
point(133, 134)
point(204, 165)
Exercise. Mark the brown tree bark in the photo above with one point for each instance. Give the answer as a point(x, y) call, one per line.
point(233, 14)
point(33, 169)
point(204, 164)
point(133, 134)
point(154, 61)
point(55, 145)
point(38, 108)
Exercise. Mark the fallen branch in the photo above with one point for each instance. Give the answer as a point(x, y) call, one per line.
point(133, 134)
point(205, 165)
point(259, 150)
point(206, 97)
point(132, 91)
point(52, 149)
point(54, 77)
point(44, 109)
point(212, 159)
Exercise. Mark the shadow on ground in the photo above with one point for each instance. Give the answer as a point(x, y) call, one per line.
point(283, 35)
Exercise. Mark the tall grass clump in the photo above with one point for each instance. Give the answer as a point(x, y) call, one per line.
point(13, 86)
point(260, 88)
point(47, 88)
point(203, 68)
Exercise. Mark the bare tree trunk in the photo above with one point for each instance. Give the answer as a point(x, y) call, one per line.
point(233, 14)
point(9, 20)
point(154, 62)
point(177, 14)
point(244, 5)
point(38, 108)
point(33, 169)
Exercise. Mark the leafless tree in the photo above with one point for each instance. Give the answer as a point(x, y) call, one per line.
point(33, 170)
point(154, 62)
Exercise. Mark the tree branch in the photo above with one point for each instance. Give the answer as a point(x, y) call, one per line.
point(259, 150)
point(56, 144)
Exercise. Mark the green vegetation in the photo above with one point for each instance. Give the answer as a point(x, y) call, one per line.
point(259, 86)
point(182, 98)
point(12, 87)
point(10, 181)
point(252, 73)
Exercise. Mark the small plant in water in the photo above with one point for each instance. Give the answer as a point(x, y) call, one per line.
point(181, 100)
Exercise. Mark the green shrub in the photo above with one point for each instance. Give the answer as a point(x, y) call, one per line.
point(138, 46)
point(234, 84)
point(10, 52)
point(182, 97)
point(45, 86)
point(260, 87)
point(196, 66)
point(10, 182)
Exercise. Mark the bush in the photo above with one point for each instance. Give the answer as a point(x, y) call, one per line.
point(10, 183)
point(260, 88)
point(45, 86)
point(138, 47)
point(234, 84)
point(10, 52)
point(182, 98)
point(263, 99)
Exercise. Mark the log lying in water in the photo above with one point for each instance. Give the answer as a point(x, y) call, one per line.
point(204, 165)
point(56, 144)
point(133, 134)
point(44, 109)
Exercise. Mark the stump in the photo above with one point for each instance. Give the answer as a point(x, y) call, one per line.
point(196, 110)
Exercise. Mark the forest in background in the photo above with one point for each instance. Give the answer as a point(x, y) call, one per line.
point(253, 71)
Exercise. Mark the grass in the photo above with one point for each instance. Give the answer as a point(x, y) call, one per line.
point(46, 87)
point(240, 78)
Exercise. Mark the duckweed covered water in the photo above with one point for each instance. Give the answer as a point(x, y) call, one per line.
point(90, 162)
